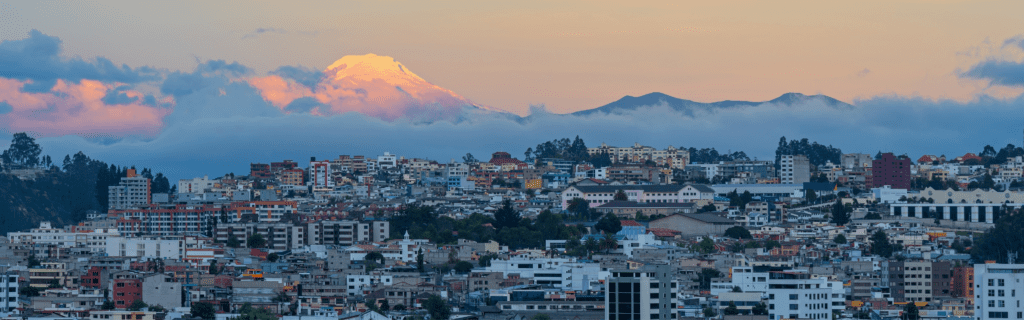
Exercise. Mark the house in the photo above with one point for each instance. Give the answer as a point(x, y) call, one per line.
point(695, 224)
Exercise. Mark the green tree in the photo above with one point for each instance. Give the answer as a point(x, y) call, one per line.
point(880, 244)
point(705, 276)
point(137, 305)
point(731, 310)
point(247, 312)
point(385, 306)
point(273, 257)
point(374, 257)
point(233, 242)
point(839, 239)
point(32, 261)
point(710, 312)
point(23, 150)
point(213, 267)
point(203, 310)
point(542, 316)
point(1002, 238)
point(255, 241)
point(872, 216)
point(910, 312)
point(469, 159)
point(707, 208)
point(840, 216)
point(485, 260)
point(621, 196)
point(609, 224)
point(399, 307)
point(463, 267)
point(506, 216)
point(419, 261)
point(810, 196)
point(760, 309)
point(108, 305)
point(437, 308)
point(579, 207)
point(738, 232)
point(705, 246)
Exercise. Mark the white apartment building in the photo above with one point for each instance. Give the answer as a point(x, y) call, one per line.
point(562, 273)
point(996, 293)
point(46, 235)
point(387, 161)
point(795, 295)
point(745, 278)
point(320, 174)
point(195, 185)
point(794, 169)
point(146, 247)
point(9, 283)
point(676, 158)
point(598, 195)
point(131, 191)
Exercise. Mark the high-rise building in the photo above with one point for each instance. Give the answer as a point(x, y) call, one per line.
point(795, 295)
point(133, 190)
point(320, 174)
point(919, 280)
point(641, 294)
point(794, 169)
point(892, 171)
point(997, 286)
point(10, 295)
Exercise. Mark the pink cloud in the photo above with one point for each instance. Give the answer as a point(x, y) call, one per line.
point(77, 108)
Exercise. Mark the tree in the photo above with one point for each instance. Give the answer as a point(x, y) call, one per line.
point(469, 159)
point(609, 224)
point(385, 306)
point(811, 196)
point(760, 309)
point(485, 260)
point(203, 310)
point(272, 257)
point(419, 261)
point(707, 208)
point(233, 241)
point(621, 196)
point(840, 216)
point(213, 267)
point(738, 232)
point(579, 207)
point(23, 150)
point(910, 312)
point(437, 307)
point(873, 216)
point(542, 316)
point(880, 244)
point(32, 261)
point(705, 276)
point(731, 310)
point(839, 239)
point(609, 242)
point(463, 267)
point(255, 241)
point(399, 307)
point(737, 289)
point(506, 216)
point(108, 305)
point(705, 246)
point(1001, 239)
point(374, 257)
point(247, 312)
point(710, 312)
point(137, 305)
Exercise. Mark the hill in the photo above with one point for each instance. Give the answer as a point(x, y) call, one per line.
point(689, 107)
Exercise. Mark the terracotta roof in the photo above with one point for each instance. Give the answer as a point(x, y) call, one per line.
point(630, 223)
point(663, 232)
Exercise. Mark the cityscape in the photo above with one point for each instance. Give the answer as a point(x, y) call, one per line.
point(166, 161)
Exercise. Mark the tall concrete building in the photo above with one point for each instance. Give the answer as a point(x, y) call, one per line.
point(795, 295)
point(133, 190)
point(794, 169)
point(320, 174)
point(641, 294)
point(919, 280)
point(997, 286)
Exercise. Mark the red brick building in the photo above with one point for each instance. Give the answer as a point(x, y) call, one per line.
point(962, 285)
point(126, 291)
point(93, 278)
point(891, 171)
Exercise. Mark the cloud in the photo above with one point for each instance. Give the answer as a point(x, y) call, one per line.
point(37, 58)
point(260, 31)
point(5, 107)
point(998, 72)
point(78, 109)
point(304, 76)
point(863, 73)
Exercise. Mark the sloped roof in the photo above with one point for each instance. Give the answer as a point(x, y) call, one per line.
point(633, 204)
point(645, 188)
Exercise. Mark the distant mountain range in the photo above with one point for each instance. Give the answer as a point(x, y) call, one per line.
point(688, 107)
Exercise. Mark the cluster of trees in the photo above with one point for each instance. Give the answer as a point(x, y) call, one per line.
point(574, 247)
point(62, 193)
point(573, 150)
point(710, 155)
point(989, 155)
point(817, 154)
point(881, 245)
point(507, 227)
point(1005, 237)
point(841, 213)
point(739, 199)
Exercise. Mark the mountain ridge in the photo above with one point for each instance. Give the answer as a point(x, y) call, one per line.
point(689, 107)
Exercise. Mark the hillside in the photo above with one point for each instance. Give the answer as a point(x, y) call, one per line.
point(688, 107)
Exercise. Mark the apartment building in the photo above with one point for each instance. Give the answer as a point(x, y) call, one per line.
point(675, 158)
point(996, 294)
point(794, 169)
point(641, 294)
point(264, 211)
point(131, 191)
point(320, 174)
point(562, 273)
point(167, 219)
point(47, 235)
point(795, 295)
point(199, 185)
point(147, 247)
point(599, 195)
point(278, 236)
point(919, 280)
point(9, 282)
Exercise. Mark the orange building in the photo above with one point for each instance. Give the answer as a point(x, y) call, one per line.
point(962, 285)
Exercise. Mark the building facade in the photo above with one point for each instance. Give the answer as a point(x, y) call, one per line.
point(794, 169)
point(892, 171)
point(644, 294)
point(997, 286)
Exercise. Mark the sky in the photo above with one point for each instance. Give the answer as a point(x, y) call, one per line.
point(194, 88)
